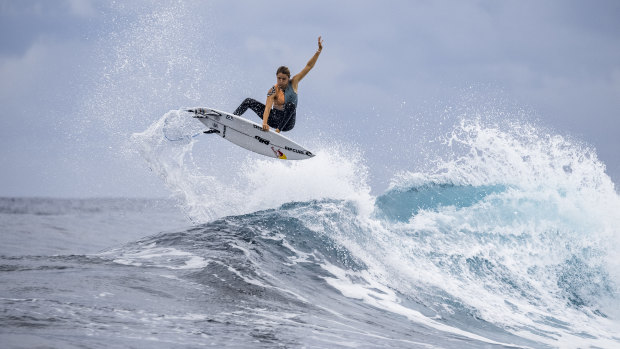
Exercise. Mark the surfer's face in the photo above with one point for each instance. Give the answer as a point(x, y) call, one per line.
point(282, 80)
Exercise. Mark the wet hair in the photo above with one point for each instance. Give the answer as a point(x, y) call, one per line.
point(284, 70)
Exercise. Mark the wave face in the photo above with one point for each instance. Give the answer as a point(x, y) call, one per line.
point(517, 230)
point(510, 241)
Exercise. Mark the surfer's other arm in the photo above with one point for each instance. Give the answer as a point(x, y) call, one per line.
point(268, 105)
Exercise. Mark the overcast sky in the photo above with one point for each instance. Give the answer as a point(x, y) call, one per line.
point(77, 78)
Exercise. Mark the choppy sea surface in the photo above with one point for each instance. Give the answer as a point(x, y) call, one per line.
point(512, 242)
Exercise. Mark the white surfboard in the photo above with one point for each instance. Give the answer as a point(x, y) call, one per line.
point(250, 135)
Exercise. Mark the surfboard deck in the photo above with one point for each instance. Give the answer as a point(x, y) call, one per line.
point(250, 135)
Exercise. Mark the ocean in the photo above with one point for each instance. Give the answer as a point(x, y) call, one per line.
point(511, 242)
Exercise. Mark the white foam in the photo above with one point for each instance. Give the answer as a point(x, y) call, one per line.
point(384, 298)
point(558, 204)
point(162, 257)
point(336, 172)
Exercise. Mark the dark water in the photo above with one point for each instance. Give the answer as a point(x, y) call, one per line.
point(134, 273)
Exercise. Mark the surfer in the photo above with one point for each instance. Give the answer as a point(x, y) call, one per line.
point(280, 109)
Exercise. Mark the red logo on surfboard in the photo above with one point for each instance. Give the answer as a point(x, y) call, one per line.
point(279, 154)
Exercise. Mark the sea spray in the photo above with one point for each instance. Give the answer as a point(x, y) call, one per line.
point(337, 172)
point(166, 146)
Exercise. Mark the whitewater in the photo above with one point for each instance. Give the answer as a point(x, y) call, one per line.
point(510, 239)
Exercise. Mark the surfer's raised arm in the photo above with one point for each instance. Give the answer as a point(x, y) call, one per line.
point(295, 80)
point(280, 109)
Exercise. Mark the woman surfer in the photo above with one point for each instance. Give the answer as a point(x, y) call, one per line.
point(280, 109)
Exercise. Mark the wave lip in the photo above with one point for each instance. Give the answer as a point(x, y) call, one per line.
point(400, 204)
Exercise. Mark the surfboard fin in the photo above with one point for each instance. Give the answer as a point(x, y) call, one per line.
point(211, 131)
point(197, 112)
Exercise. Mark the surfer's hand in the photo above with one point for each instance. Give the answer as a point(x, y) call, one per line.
point(277, 130)
point(265, 127)
point(320, 44)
